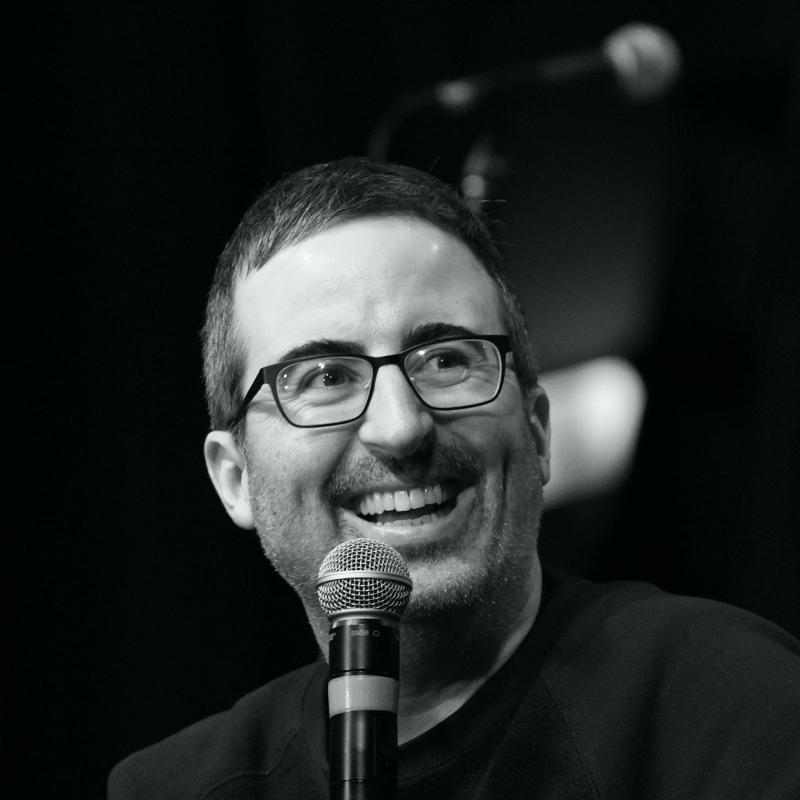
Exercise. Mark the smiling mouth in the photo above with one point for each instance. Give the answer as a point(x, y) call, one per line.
point(406, 507)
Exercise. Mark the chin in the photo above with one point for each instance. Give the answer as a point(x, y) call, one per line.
point(445, 586)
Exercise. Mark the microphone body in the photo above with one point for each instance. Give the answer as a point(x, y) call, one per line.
point(362, 705)
point(363, 588)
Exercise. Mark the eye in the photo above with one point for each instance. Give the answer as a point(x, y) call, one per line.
point(328, 377)
point(325, 376)
point(446, 359)
point(437, 360)
point(323, 380)
point(442, 365)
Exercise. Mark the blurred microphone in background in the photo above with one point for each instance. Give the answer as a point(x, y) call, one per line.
point(642, 61)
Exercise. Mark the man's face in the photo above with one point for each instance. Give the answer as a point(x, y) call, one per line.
point(378, 286)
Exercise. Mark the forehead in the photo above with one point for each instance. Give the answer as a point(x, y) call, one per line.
point(369, 281)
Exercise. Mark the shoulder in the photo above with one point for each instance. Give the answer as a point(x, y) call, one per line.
point(685, 680)
point(250, 737)
point(632, 632)
point(640, 621)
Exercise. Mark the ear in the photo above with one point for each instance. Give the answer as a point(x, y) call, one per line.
point(539, 418)
point(228, 472)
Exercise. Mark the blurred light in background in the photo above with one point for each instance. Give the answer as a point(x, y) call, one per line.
point(596, 415)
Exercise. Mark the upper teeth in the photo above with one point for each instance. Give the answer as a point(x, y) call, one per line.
point(402, 500)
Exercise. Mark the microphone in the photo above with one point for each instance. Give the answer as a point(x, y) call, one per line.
point(643, 60)
point(363, 587)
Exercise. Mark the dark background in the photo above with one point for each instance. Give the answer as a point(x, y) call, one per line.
point(665, 234)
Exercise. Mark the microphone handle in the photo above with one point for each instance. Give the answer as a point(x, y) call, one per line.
point(362, 705)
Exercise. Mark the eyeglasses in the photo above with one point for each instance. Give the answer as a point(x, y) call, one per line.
point(445, 374)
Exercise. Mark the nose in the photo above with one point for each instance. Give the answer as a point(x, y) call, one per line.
point(396, 423)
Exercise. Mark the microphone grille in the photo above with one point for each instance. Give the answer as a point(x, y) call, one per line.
point(364, 575)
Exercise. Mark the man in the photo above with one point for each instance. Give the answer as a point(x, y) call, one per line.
point(368, 373)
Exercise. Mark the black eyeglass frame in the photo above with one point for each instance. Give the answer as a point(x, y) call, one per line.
point(268, 376)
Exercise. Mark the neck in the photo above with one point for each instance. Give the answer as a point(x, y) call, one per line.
point(445, 658)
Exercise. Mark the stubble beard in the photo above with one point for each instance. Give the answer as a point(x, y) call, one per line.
point(488, 570)
point(452, 577)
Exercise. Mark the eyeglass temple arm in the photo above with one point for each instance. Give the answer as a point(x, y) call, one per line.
point(251, 393)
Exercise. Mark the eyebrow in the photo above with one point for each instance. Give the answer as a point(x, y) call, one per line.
point(417, 335)
point(322, 347)
point(434, 330)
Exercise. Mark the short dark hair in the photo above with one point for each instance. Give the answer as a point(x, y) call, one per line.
point(312, 200)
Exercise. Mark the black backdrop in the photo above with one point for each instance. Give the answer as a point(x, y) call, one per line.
point(141, 132)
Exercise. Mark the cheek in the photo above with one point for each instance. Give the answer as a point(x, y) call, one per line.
point(499, 432)
point(509, 451)
point(293, 464)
